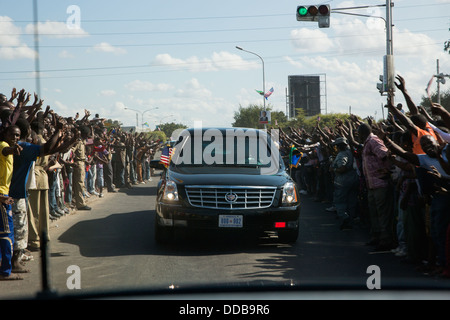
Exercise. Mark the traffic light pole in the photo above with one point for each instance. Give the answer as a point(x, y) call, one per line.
point(387, 20)
point(389, 65)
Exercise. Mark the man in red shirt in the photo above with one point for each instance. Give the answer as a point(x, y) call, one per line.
point(376, 167)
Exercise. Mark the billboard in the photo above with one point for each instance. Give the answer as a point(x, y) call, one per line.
point(304, 93)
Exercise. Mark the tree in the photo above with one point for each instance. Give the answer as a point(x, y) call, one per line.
point(156, 135)
point(169, 128)
point(308, 123)
point(112, 123)
point(445, 100)
point(249, 117)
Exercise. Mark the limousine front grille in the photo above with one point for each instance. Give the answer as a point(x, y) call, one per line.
point(230, 197)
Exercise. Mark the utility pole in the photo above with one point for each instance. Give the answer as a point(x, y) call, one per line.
point(389, 43)
point(36, 46)
point(389, 62)
point(388, 77)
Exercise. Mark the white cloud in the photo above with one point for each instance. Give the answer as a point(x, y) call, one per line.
point(11, 47)
point(297, 64)
point(138, 85)
point(218, 61)
point(192, 63)
point(107, 93)
point(17, 53)
point(106, 47)
point(311, 40)
point(419, 44)
point(192, 101)
point(56, 29)
point(230, 61)
point(193, 89)
point(355, 35)
point(65, 54)
point(61, 108)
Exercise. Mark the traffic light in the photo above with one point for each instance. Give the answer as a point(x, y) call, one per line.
point(319, 13)
point(388, 77)
point(441, 78)
point(381, 85)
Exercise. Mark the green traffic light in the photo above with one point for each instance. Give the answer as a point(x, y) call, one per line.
point(302, 11)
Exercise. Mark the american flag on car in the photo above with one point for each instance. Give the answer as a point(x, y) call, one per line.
point(165, 155)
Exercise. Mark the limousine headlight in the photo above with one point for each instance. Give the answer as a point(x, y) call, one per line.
point(170, 191)
point(289, 193)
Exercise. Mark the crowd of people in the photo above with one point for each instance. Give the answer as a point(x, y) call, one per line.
point(51, 164)
point(391, 176)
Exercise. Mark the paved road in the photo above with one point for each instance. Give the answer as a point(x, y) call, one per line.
point(113, 248)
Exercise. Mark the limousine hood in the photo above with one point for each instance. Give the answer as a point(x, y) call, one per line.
point(229, 179)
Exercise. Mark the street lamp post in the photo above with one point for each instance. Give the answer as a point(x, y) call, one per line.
point(264, 80)
point(137, 117)
point(160, 119)
point(142, 115)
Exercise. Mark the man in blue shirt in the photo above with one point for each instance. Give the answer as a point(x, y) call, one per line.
point(21, 168)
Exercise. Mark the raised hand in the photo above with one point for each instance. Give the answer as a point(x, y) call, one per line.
point(13, 95)
point(401, 84)
point(436, 109)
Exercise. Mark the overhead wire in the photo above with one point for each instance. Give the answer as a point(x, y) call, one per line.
point(183, 43)
point(191, 66)
point(213, 17)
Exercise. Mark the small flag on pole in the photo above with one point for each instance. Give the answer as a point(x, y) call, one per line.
point(165, 156)
point(427, 89)
point(268, 93)
point(146, 124)
point(260, 92)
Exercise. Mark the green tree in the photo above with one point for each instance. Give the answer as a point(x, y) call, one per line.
point(112, 123)
point(248, 117)
point(156, 135)
point(169, 128)
point(445, 100)
point(308, 123)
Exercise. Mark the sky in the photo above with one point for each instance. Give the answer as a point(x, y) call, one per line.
point(176, 61)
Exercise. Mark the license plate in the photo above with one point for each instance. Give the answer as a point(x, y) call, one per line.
point(230, 221)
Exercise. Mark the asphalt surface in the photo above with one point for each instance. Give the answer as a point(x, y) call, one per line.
point(113, 247)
